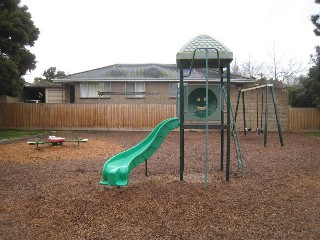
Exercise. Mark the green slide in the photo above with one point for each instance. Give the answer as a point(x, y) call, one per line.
point(116, 170)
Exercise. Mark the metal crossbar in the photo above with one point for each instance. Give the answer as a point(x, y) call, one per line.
point(261, 86)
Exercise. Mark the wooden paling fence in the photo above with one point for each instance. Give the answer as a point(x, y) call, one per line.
point(116, 116)
point(303, 119)
point(83, 116)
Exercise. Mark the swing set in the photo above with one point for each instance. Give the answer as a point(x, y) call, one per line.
point(264, 91)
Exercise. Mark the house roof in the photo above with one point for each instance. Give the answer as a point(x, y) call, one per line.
point(144, 72)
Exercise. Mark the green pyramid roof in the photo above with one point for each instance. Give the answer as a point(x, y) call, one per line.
point(185, 55)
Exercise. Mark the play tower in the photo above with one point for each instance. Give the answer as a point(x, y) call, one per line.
point(203, 105)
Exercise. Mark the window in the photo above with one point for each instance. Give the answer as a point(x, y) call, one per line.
point(90, 90)
point(173, 88)
point(135, 87)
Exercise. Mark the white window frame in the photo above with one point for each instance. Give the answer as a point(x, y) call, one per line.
point(139, 87)
point(90, 89)
point(173, 93)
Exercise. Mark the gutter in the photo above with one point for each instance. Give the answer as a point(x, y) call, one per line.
point(75, 80)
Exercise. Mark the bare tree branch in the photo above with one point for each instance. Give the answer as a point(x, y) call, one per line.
point(252, 68)
point(284, 70)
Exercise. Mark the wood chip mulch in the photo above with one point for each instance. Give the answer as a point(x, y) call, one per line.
point(53, 192)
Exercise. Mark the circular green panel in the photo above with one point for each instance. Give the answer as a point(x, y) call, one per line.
point(197, 102)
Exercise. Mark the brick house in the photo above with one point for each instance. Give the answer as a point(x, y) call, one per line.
point(134, 83)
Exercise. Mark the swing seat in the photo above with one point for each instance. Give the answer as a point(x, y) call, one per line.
point(258, 130)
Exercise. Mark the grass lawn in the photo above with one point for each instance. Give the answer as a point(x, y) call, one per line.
point(13, 134)
point(314, 134)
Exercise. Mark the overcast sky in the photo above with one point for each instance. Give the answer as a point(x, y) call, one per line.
point(76, 36)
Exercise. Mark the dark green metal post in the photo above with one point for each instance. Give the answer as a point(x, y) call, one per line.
point(207, 124)
point(266, 118)
point(222, 119)
point(228, 124)
point(237, 106)
point(146, 168)
point(257, 100)
point(181, 96)
point(261, 115)
point(244, 114)
point(277, 117)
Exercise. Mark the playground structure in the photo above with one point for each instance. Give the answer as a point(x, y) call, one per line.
point(264, 90)
point(55, 141)
point(204, 104)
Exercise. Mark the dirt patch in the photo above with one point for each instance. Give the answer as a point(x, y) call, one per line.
point(53, 192)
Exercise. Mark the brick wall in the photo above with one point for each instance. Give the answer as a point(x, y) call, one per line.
point(281, 99)
point(161, 96)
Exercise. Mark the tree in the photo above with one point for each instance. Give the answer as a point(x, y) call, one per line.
point(17, 33)
point(307, 93)
point(313, 86)
point(315, 20)
point(48, 74)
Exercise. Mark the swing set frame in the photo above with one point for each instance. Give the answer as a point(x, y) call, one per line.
point(267, 87)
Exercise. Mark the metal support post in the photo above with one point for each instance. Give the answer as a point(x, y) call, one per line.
point(146, 168)
point(237, 106)
point(277, 116)
point(266, 119)
point(181, 96)
point(228, 124)
point(207, 124)
point(222, 119)
point(257, 118)
point(244, 115)
point(261, 116)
